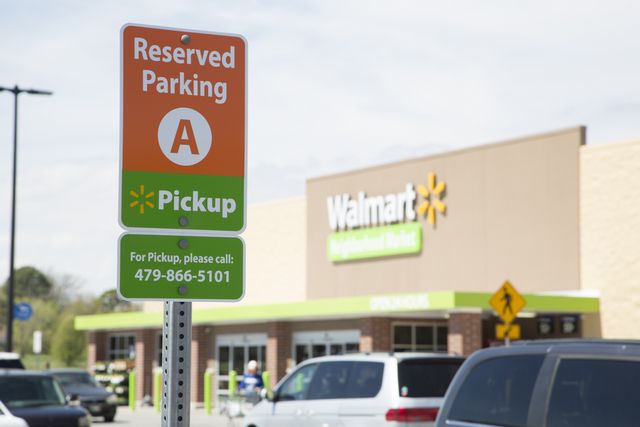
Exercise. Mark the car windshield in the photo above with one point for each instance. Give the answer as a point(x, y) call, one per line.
point(74, 378)
point(23, 392)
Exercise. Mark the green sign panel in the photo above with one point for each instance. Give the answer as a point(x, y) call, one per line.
point(189, 202)
point(187, 268)
point(399, 239)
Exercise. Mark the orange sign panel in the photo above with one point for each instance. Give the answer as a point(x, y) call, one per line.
point(183, 129)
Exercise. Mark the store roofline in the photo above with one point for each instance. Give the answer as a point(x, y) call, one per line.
point(477, 147)
point(373, 305)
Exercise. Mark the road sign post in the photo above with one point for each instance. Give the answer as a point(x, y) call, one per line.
point(507, 303)
point(183, 182)
point(176, 364)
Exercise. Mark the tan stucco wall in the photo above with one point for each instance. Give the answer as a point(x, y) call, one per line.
point(275, 242)
point(512, 213)
point(610, 231)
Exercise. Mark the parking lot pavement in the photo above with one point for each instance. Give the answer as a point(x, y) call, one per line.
point(148, 417)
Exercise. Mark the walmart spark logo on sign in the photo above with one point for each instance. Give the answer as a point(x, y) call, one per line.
point(377, 226)
point(174, 201)
point(141, 199)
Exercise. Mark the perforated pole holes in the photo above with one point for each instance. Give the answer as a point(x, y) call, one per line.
point(176, 357)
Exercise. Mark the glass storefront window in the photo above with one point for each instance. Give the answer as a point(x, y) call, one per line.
point(239, 363)
point(122, 347)
point(419, 337)
point(442, 341)
point(233, 354)
point(335, 349)
point(402, 335)
point(424, 335)
point(318, 350)
point(307, 344)
point(352, 347)
point(302, 353)
point(223, 360)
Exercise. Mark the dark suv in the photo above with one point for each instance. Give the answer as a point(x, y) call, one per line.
point(38, 399)
point(588, 383)
point(92, 396)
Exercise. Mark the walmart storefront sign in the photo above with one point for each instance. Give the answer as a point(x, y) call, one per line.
point(398, 239)
point(380, 226)
point(347, 213)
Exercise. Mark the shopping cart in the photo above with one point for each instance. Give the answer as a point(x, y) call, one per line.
point(237, 406)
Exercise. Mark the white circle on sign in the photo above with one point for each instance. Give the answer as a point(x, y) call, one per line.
point(184, 136)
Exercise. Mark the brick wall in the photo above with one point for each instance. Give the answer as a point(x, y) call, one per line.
point(201, 349)
point(96, 349)
point(375, 334)
point(145, 355)
point(278, 349)
point(465, 333)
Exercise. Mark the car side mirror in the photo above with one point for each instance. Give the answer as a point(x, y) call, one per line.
point(267, 394)
point(72, 399)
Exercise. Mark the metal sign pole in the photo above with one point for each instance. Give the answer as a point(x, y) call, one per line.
point(176, 362)
point(507, 332)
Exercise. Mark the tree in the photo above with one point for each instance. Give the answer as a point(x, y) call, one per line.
point(29, 282)
point(69, 346)
point(46, 316)
point(109, 302)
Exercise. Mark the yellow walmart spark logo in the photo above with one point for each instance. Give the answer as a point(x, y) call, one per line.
point(432, 195)
point(141, 199)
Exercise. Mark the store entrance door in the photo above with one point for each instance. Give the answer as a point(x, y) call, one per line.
point(233, 352)
point(323, 343)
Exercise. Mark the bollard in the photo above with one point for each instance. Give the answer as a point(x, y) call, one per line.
point(233, 384)
point(157, 389)
point(132, 390)
point(208, 383)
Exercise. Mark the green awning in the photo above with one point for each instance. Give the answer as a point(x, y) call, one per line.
point(331, 308)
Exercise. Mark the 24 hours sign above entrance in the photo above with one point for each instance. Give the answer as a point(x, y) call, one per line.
point(183, 134)
point(182, 165)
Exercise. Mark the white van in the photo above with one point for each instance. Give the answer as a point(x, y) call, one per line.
point(7, 419)
point(379, 389)
point(10, 361)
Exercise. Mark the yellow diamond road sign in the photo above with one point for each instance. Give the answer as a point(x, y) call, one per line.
point(507, 302)
point(505, 330)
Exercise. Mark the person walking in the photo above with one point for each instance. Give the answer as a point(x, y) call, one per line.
point(251, 383)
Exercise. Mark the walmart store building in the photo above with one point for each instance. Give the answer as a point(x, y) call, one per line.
point(405, 256)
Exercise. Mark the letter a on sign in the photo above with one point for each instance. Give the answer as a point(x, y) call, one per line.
point(184, 136)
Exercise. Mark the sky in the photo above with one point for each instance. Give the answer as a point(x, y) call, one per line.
point(333, 85)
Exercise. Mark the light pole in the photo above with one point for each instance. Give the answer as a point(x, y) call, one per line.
point(16, 91)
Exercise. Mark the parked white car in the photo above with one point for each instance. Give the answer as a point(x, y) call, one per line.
point(9, 420)
point(379, 389)
point(10, 361)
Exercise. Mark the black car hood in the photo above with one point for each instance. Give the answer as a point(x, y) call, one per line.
point(86, 392)
point(50, 416)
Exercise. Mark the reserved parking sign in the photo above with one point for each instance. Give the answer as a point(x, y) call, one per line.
point(183, 130)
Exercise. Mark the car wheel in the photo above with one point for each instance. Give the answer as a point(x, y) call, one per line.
point(110, 418)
